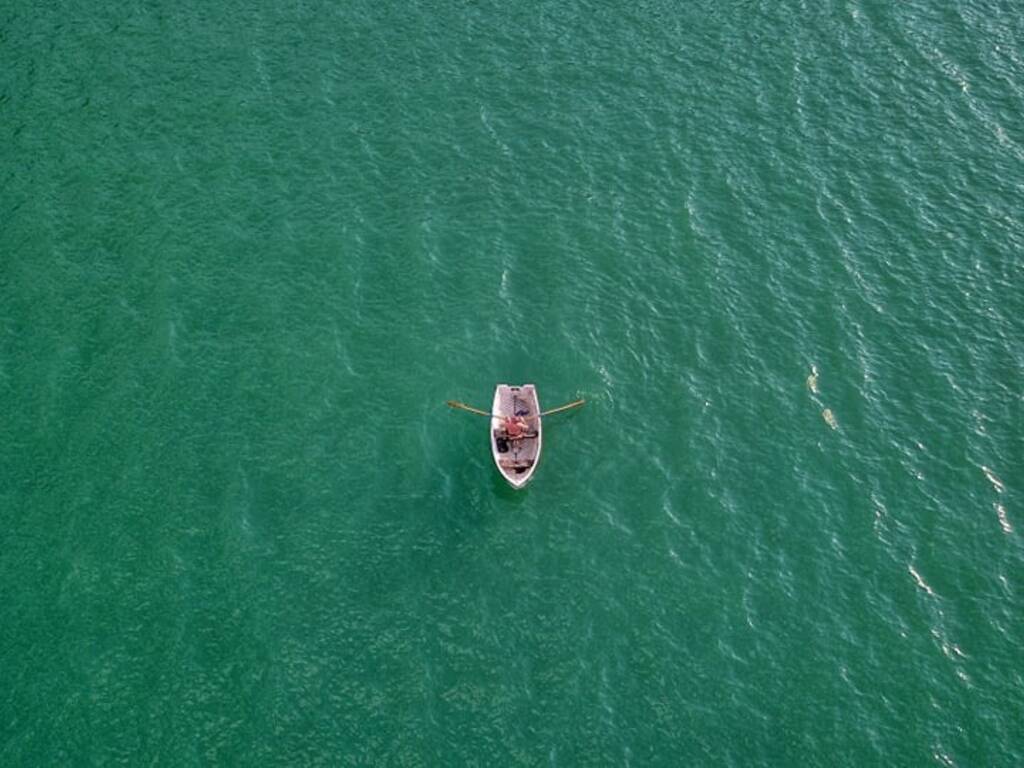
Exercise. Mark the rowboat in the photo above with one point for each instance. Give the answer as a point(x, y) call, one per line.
point(515, 429)
point(516, 452)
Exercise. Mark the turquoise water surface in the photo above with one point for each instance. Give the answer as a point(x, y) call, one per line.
point(247, 254)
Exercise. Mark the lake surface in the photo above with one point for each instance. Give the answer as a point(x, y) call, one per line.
point(246, 255)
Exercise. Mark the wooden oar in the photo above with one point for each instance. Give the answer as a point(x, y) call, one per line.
point(566, 407)
point(471, 409)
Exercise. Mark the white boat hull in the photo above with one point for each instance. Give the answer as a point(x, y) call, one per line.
point(516, 458)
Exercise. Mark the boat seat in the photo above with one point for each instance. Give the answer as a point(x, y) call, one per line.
point(513, 464)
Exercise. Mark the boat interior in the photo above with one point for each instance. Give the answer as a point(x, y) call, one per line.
point(519, 453)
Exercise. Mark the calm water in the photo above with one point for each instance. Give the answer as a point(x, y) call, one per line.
point(246, 255)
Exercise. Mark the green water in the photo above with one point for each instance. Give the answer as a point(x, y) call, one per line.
point(247, 254)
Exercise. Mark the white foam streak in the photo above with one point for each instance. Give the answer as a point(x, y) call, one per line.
point(920, 581)
point(996, 482)
point(1004, 521)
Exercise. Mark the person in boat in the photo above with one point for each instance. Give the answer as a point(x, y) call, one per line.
point(516, 428)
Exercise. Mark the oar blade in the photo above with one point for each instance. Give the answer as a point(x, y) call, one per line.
point(464, 407)
point(566, 407)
